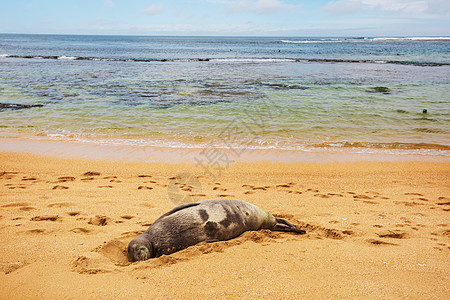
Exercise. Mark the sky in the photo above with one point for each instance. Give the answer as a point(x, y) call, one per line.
point(353, 18)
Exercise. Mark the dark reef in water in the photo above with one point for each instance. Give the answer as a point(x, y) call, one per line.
point(379, 89)
point(16, 106)
point(207, 59)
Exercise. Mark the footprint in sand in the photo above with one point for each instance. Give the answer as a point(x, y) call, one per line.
point(285, 185)
point(445, 232)
point(369, 202)
point(34, 231)
point(446, 201)
point(380, 242)
point(90, 173)
point(8, 175)
point(143, 187)
point(29, 178)
point(334, 194)
point(255, 188)
point(219, 188)
point(413, 203)
point(16, 204)
point(46, 218)
point(148, 176)
point(364, 199)
point(99, 220)
point(60, 187)
point(393, 234)
point(27, 208)
point(197, 195)
point(66, 179)
point(321, 196)
point(413, 194)
point(421, 199)
point(294, 192)
point(13, 187)
point(73, 213)
point(21, 205)
point(225, 196)
point(144, 224)
point(60, 204)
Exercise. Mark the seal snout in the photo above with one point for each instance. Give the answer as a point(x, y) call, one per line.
point(137, 251)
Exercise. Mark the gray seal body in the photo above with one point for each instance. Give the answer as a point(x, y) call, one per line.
point(208, 220)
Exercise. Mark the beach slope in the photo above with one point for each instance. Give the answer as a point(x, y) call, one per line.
point(374, 229)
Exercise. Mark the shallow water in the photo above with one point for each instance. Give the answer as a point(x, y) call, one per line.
point(236, 93)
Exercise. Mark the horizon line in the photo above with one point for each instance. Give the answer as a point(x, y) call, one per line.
point(202, 35)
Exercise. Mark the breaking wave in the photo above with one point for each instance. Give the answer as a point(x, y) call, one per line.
point(227, 60)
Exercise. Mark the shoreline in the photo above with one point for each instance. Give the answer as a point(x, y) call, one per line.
point(106, 150)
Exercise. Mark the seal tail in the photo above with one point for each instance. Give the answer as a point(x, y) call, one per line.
point(284, 225)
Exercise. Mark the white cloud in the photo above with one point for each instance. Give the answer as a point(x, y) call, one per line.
point(343, 7)
point(409, 7)
point(414, 8)
point(108, 4)
point(439, 7)
point(48, 20)
point(153, 9)
point(260, 7)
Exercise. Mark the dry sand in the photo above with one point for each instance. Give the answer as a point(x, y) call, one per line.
point(375, 230)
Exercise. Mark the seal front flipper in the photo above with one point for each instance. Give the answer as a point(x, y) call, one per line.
point(284, 225)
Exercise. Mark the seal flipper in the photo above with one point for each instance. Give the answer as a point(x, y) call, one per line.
point(284, 225)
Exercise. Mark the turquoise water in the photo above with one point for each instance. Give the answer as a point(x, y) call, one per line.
point(281, 93)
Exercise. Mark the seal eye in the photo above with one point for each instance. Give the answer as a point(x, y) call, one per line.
point(143, 253)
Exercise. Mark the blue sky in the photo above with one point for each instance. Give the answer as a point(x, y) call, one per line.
point(228, 17)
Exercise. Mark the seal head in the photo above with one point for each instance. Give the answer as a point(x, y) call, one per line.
point(139, 249)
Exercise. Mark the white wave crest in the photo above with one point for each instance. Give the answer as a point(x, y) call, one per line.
point(252, 60)
point(67, 57)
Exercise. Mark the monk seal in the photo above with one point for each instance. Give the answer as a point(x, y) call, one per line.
point(208, 220)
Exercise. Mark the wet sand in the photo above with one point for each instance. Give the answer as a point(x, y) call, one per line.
point(375, 229)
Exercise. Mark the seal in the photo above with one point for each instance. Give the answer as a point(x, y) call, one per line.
point(208, 220)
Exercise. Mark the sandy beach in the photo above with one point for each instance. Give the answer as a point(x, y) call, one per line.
point(374, 230)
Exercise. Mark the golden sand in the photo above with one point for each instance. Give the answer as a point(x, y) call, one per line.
point(375, 230)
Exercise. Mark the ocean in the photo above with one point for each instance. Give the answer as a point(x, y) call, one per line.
point(287, 93)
